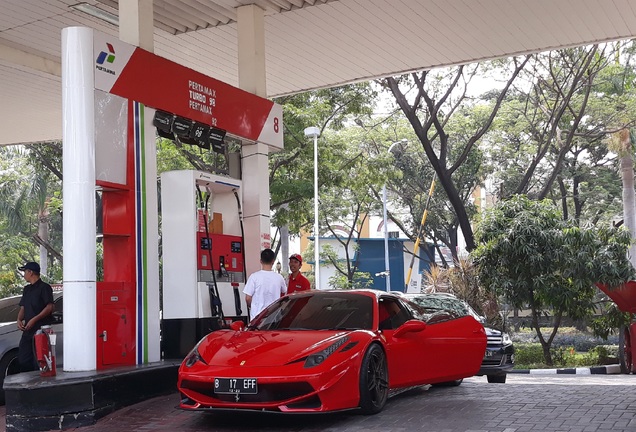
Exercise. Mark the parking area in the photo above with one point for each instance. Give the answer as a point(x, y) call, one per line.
point(550, 403)
point(568, 403)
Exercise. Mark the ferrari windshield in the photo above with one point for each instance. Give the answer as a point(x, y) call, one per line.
point(317, 311)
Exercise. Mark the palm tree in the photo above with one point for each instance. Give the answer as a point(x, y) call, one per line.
point(25, 195)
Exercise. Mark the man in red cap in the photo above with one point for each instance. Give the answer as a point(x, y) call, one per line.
point(297, 282)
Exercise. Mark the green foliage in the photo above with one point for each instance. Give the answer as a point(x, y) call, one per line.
point(549, 139)
point(360, 280)
point(462, 280)
point(30, 204)
point(609, 322)
point(529, 353)
point(530, 356)
point(291, 170)
point(529, 255)
point(448, 125)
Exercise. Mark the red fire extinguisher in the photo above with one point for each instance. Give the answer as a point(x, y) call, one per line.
point(45, 350)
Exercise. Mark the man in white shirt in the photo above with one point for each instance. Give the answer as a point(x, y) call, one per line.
point(264, 286)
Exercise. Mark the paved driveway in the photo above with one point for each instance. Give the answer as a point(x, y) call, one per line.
point(568, 403)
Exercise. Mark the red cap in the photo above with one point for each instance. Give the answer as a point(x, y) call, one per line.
point(297, 257)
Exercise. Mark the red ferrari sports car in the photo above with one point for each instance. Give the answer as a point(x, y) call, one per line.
point(322, 351)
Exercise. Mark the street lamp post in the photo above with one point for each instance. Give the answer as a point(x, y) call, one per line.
point(387, 266)
point(314, 132)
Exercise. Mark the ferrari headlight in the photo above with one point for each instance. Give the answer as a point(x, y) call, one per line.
point(319, 357)
point(194, 356)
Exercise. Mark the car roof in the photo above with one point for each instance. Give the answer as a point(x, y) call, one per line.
point(9, 306)
point(436, 294)
point(358, 291)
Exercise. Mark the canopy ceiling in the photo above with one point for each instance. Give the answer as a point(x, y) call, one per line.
point(310, 44)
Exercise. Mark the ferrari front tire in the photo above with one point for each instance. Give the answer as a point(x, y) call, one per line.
point(374, 381)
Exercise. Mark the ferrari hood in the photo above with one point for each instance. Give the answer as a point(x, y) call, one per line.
point(263, 348)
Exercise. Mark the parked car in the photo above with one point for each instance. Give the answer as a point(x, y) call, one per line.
point(323, 351)
point(10, 336)
point(500, 353)
point(499, 358)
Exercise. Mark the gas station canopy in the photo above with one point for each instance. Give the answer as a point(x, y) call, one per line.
point(309, 44)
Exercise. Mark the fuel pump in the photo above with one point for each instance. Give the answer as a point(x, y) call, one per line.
point(203, 257)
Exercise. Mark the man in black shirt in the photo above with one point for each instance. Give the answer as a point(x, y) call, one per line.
point(36, 307)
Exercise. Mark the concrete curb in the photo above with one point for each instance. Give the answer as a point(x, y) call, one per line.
point(597, 370)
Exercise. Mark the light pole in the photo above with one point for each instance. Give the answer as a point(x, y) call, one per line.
point(387, 266)
point(314, 132)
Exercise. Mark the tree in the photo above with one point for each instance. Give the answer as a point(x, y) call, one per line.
point(548, 140)
point(411, 189)
point(30, 209)
point(462, 280)
point(533, 258)
point(291, 170)
point(347, 200)
point(438, 96)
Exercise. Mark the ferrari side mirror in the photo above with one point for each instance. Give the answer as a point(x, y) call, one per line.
point(237, 325)
point(411, 326)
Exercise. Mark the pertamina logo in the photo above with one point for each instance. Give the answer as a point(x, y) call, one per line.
point(106, 57)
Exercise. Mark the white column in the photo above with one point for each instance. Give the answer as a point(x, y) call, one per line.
point(79, 199)
point(136, 23)
point(255, 203)
point(255, 168)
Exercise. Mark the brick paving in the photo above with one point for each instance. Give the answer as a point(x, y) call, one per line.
point(555, 403)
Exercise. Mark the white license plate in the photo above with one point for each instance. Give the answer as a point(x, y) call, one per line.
point(235, 386)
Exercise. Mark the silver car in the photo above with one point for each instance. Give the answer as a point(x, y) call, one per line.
point(10, 336)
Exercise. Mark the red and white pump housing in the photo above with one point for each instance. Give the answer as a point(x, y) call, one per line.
point(203, 254)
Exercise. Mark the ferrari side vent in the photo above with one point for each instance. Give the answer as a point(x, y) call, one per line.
point(311, 403)
point(349, 346)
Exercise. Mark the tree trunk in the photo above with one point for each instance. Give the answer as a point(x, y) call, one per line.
point(629, 197)
point(545, 345)
point(43, 233)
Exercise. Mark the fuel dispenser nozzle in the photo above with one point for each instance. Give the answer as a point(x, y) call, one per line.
point(222, 270)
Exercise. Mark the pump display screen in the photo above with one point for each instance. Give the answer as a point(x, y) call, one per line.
point(206, 243)
point(235, 247)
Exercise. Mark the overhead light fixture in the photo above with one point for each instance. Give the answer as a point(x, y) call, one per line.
point(96, 12)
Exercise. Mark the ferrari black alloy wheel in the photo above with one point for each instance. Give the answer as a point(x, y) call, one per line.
point(374, 380)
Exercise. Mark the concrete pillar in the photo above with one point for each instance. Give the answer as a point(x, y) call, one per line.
point(251, 49)
point(136, 23)
point(78, 105)
point(252, 78)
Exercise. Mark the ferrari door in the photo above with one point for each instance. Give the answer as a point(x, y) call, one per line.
point(405, 351)
point(456, 345)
